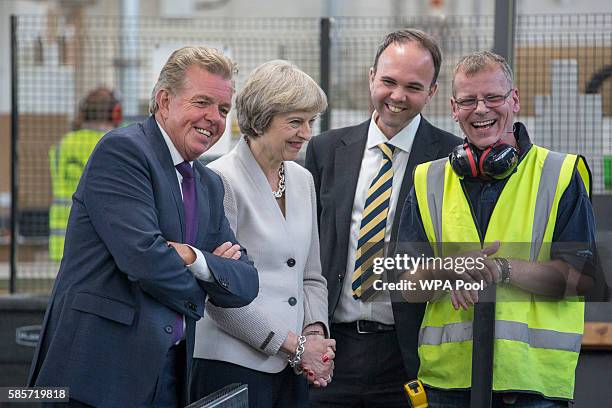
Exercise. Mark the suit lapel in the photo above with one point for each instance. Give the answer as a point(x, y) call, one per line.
point(203, 197)
point(348, 157)
point(424, 148)
point(259, 181)
point(165, 160)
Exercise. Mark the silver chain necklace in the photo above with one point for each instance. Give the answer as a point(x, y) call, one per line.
point(281, 182)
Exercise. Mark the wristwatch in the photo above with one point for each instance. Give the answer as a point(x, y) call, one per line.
point(505, 269)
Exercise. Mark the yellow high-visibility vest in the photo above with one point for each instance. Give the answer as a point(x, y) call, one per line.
point(537, 343)
point(67, 161)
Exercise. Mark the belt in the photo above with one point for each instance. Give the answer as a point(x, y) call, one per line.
point(368, 326)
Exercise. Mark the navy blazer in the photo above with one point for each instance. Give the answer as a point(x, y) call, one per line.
point(334, 159)
point(108, 325)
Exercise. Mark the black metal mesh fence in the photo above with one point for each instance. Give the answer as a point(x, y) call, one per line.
point(60, 63)
point(561, 66)
point(354, 44)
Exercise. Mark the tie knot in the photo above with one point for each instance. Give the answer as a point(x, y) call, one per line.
point(185, 169)
point(387, 150)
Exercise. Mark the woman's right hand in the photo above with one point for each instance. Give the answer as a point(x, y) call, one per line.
point(317, 360)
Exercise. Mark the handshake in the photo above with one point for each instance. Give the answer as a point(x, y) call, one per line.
point(311, 354)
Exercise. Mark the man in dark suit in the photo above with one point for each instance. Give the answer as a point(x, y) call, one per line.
point(119, 327)
point(362, 176)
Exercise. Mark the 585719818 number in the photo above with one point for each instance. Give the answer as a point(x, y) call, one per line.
point(34, 394)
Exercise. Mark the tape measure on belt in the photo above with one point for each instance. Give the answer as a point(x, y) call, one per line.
point(416, 394)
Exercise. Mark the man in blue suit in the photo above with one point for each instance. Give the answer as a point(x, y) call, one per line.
point(119, 326)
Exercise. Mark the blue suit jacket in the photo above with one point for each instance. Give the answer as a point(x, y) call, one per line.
point(108, 325)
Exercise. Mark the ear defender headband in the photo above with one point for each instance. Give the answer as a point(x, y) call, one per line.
point(497, 161)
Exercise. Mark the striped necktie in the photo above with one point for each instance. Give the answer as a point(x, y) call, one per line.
point(371, 241)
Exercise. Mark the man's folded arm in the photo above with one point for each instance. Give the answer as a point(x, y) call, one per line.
point(121, 205)
point(235, 282)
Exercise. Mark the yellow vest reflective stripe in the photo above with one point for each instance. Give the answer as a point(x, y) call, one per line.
point(506, 330)
point(536, 342)
point(67, 161)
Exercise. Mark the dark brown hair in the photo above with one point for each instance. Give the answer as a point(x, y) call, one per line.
point(411, 34)
point(97, 106)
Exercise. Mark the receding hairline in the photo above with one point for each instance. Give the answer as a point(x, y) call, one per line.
point(490, 67)
point(481, 61)
point(196, 66)
point(172, 75)
point(408, 42)
point(405, 36)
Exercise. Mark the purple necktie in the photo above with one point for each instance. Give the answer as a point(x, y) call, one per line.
point(191, 226)
point(189, 202)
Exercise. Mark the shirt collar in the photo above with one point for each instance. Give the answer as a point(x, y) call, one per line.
point(174, 153)
point(402, 140)
point(522, 139)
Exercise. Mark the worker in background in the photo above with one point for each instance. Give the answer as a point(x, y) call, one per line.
point(99, 112)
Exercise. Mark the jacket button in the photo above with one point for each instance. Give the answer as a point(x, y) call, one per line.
point(292, 301)
point(339, 278)
point(168, 329)
point(191, 306)
point(291, 262)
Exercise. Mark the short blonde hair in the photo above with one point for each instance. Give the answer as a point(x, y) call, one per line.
point(276, 87)
point(478, 61)
point(172, 75)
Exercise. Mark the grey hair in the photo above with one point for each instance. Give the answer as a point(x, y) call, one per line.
point(480, 61)
point(172, 75)
point(276, 87)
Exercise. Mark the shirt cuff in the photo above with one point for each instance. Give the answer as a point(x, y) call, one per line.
point(199, 267)
point(309, 328)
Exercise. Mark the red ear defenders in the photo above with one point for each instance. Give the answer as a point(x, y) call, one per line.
point(101, 104)
point(117, 114)
point(497, 161)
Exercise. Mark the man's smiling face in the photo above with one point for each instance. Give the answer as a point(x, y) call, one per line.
point(401, 85)
point(194, 118)
point(482, 125)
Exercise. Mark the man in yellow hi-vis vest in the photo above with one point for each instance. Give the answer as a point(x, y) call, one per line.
point(99, 112)
point(518, 204)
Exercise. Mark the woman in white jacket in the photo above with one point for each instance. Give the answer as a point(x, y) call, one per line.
point(270, 203)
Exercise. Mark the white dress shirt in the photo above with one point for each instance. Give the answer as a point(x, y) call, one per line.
point(379, 309)
point(199, 267)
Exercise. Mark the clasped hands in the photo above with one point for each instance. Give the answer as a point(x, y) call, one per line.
point(463, 298)
point(318, 357)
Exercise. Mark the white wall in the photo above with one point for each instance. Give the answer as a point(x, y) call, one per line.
point(278, 8)
point(563, 6)
point(8, 7)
